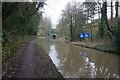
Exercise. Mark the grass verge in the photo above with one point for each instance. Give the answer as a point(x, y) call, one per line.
point(11, 47)
point(105, 47)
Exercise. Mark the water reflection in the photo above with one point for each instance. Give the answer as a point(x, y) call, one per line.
point(54, 55)
point(88, 65)
point(78, 62)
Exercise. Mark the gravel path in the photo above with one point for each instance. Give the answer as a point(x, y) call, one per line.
point(31, 62)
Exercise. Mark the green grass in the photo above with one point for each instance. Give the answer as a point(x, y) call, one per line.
point(106, 46)
point(109, 47)
point(102, 46)
point(12, 47)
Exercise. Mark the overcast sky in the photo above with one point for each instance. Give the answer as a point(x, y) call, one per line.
point(54, 8)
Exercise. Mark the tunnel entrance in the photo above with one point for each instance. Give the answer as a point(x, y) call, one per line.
point(54, 36)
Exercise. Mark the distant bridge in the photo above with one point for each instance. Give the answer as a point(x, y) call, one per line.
point(54, 36)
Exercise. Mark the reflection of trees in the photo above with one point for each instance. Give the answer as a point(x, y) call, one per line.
point(103, 62)
point(73, 64)
point(62, 49)
point(44, 43)
point(106, 64)
point(70, 58)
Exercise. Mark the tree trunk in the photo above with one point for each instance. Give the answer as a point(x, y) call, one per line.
point(116, 8)
point(71, 34)
point(117, 24)
point(111, 10)
point(105, 18)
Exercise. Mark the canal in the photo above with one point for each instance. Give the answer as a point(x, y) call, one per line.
point(78, 62)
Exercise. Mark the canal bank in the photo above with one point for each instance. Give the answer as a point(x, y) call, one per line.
point(105, 47)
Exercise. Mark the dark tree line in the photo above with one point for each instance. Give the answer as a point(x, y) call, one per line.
point(112, 33)
point(20, 18)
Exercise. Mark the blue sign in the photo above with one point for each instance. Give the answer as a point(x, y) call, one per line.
point(85, 35)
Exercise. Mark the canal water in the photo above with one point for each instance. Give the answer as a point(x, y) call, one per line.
point(78, 62)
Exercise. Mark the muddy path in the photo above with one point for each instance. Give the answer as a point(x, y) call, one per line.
point(31, 62)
